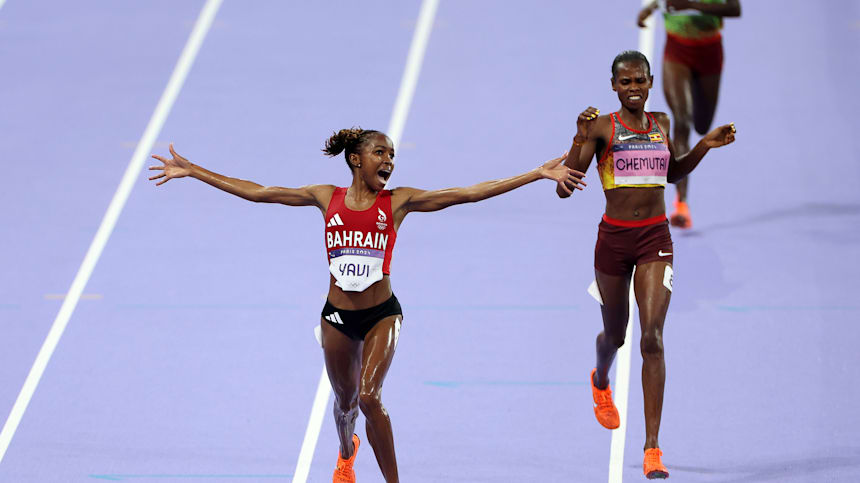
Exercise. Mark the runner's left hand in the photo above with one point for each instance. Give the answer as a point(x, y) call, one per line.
point(720, 136)
point(568, 179)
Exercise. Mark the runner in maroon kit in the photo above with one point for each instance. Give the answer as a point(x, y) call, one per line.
point(692, 67)
point(361, 318)
point(635, 161)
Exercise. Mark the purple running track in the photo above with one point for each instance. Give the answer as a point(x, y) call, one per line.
point(192, 357)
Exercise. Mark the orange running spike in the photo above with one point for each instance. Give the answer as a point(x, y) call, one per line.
point(604, 408)
point(652, 466)
point(344, 472)
point(681, 217)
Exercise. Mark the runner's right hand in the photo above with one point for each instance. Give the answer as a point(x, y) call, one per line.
point(177, 167)
point(586, 121)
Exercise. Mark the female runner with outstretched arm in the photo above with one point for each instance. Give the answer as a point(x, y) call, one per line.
point(361, 318)
point(635, 161)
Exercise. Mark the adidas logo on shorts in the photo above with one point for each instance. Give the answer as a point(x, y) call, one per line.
point(335, 220)
point(334, 317)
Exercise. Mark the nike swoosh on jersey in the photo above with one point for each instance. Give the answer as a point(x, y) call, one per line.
point(625, 138)
point(662, 254)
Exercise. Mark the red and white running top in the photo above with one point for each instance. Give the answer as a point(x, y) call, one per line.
point(359, 244)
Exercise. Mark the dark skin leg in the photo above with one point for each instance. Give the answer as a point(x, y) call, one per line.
point(615, 291)
point(693, 101)
point(706, 91)
point(357, 370)
point(677, 87)
point(379, 346)
point(343, 364)
point(652, 297)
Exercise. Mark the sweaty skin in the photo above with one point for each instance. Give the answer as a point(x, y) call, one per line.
point(357, 369)
point(632, 84)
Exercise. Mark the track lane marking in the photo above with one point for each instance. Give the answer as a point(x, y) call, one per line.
point(403, 102)
point(622, 369)
point(132, 173)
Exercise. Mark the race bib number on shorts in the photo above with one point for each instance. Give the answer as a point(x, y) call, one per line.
point(667, 277)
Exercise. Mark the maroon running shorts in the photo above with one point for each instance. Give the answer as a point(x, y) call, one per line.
point(622, 244)
point(703, 57)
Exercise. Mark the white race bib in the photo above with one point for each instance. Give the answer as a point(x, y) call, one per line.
point(355, 269)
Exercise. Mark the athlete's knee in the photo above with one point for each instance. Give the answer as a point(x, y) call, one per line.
point(615, 340)
point(346, 405)
point(370, 402)
point(652, 342)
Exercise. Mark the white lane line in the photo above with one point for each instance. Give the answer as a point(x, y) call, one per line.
point(62, 296)
point(413, 68)
point(132, 172)
point(622, 389)
point(646, 39)
point(395, 131)
point(312, 434)
point(622, 369)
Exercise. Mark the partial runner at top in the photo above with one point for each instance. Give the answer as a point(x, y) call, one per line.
point(692, 68)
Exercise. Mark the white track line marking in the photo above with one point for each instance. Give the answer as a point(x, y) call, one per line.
point(622, 389)
point(312, 434)
point(132, 172)
point(622, 369)
point(62, 296)
point(413, 68)
point(395, 131)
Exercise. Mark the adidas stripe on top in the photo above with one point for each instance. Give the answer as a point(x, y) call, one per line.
point(359, 244)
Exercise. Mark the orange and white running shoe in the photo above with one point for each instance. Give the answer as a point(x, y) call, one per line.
point(604, 408)
point(344, 472)
point(652, 465)
point(681, 217)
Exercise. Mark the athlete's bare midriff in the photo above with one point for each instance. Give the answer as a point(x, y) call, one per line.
point(372, 296)
point(635, 203)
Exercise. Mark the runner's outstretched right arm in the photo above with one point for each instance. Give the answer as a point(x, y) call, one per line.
point(179, 167)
